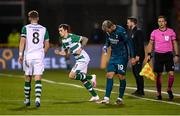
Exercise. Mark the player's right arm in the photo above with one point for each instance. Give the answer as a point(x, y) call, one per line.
point(22, 44)
point(60, 52)
point(84, 41)
point(106, 45)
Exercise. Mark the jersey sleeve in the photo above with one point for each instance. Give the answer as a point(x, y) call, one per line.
point(46, 36)
point(153, 36)
point(23, 32)
point(76, 38)
point(173, 35)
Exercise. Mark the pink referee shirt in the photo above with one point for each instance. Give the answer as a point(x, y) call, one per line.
point(163, 40)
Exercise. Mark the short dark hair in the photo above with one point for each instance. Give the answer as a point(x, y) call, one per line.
point(65, 27)
point(161, 16)
point(132, 19)
point(33, 14)
point(107, 24)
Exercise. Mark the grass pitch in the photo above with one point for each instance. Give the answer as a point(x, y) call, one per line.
point(62, 96)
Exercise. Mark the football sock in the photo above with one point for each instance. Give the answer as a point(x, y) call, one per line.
point(80, 76)
point(38, 88)
point(170, 82)
point(27, 89)
point(88, 77)
point(159, 83)
point(89, 87)
point(122, 88)
point(109, 86)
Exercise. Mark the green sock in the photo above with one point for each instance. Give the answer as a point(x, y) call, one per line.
point(27, 89)
point(88, 77)
point(122, 88)
point(80, 76)
point(88, 86)
point(38, 88)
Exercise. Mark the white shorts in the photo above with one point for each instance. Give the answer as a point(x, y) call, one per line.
point(33, 66)
point(80, 67)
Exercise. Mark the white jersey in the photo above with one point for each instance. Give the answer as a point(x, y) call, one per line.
point(35, 35)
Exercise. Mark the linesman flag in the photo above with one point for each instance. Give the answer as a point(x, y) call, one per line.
point(148, 72)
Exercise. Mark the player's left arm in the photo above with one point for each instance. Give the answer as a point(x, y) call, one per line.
point(46, 46)
point(46, 41)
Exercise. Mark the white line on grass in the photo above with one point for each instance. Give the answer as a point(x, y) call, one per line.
point(97, 89)
point(149, 90)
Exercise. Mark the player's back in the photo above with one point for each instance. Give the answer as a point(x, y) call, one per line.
point(35, 37)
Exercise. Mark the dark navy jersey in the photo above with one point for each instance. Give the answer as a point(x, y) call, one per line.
point(119, 42)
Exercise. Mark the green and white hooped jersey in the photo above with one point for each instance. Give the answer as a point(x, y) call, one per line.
point(35, 36)
point(72, 43)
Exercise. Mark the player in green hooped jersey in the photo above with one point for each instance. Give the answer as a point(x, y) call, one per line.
point(74, 44)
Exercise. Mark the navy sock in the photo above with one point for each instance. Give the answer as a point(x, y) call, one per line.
point(109, 86)
point(122, 88)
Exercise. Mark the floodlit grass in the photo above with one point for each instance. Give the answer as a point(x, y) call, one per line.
point(61, 98)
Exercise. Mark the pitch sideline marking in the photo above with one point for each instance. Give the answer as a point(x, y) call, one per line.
point(101, 90)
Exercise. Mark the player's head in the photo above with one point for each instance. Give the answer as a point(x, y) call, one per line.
point(131, 22)
point(162, 22)
point(33, 15)
point(64, 29)
point(108, 26)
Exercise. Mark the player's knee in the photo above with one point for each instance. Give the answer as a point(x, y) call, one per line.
point(109, 75)
point(121, 77)
point(37, 77)
point(171, 73)
point(72, 75)
point(28, 78)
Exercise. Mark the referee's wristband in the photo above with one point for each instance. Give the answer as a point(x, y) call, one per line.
point(149, 54)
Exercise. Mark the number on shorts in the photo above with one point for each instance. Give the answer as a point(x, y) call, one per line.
point(120, 67)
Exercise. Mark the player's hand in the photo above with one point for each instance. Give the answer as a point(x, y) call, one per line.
point(78, 51)
point(137, 58)
point(176, 59)
point(20, 59)
point(147, 59)
point(105, 49)
point(57, 52)
point(133, 61)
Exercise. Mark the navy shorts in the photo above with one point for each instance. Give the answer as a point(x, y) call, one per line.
point(119, 66)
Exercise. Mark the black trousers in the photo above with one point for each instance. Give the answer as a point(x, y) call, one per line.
point(139, 79)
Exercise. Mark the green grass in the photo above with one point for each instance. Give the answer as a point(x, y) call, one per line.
point(63, 99)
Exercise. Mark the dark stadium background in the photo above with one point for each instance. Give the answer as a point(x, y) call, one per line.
point(82, 14)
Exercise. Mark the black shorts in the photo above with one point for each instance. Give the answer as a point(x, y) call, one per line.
point(163, 59)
